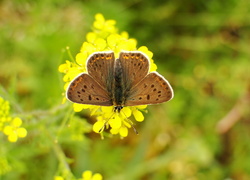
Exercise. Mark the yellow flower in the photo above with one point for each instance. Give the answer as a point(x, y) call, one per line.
point(105, 37)
point(14, 131)
point(11, 127)
point(103, 27)
point(88, 175)
point(58, 178)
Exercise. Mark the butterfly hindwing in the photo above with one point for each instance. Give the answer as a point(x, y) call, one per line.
point(153, 89)
point(85, 90)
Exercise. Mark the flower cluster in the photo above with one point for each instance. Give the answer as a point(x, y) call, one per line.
point(10, 126)
point(105, 37)
point(86, 175)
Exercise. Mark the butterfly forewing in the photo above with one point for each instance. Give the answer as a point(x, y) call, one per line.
point(85, 90)
point(100, 67)
point(153, 89)
point(135, 66)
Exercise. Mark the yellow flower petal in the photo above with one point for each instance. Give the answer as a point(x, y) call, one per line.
point(110, 22)
point(153, 67)
point(88, 47)
point(58, 178)
point(94, 110)
point(107, 109)
point(141, 106)
point(87, 175)
point(123, 131)
point(126, 111)
point(21, 132)
point(114, 131)
point(99, 17)
point(81, 58)
point(5, 119)
point(98, 126)
point(143, 49)
point(77, 107)
point(132, 44)
point(113, 39)
point(100, 44)
point(65, 87)
point(122, 45)
point(127, 123)
point(63, 68)
point(12, 137)
point(8, 130)
point(16, 122)
point(64, 99)
point(97, 176)
point(108, 112)
point(138, 115)
point(91, 37)
point(125, 35)
point(72, 73)
point(116, 122)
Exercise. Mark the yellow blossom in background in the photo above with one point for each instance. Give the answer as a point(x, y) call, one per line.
point(106, 37)
point(88, 175)
point(10, 126)
point(58, 178)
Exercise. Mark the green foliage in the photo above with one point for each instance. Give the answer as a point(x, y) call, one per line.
point(201, 47)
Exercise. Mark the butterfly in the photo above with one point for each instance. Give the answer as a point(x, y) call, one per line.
point(125, 81)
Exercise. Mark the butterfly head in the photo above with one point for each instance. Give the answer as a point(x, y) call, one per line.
point(118, 108)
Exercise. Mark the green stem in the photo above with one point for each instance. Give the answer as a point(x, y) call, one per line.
point(70, 54)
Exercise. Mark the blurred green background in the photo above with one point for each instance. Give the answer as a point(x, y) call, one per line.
point(201, 47)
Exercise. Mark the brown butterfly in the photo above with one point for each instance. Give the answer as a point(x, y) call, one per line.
point(125, 81)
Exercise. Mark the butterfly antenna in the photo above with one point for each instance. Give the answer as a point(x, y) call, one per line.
point(131, 123)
